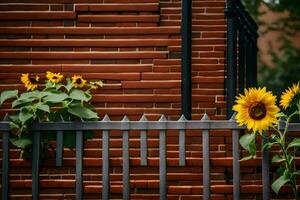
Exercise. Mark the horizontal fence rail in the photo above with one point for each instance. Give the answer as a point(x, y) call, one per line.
point(205, 125)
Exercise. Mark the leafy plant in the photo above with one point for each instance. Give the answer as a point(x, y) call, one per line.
point(257, 110)
point(55, 101)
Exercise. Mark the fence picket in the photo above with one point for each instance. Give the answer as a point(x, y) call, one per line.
point(105, 161)
point(79, 153)
point(143, 143)
point(236, 165)
point(265, 171)
point(5, 163)
point(182, 142)
point(162, 161)
point(36, 146)
point(206, 161)
point(125, 147)
point(59, 148)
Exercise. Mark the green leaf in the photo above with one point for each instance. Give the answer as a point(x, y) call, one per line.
point(247, 141)
point(25, 116)
point(69, 85)
point(281, 181)
point(294, 143)
point(57, 97)
point(49, 84)
point(248, 158)
point(79, 95)
point(21, 142)
point(82, 112)
point(14, 125)
point(278, 159)
point(43, 107)
point(7, 94)
point(20, 102)
point(27, 95)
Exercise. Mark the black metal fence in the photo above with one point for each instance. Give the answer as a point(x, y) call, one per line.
point(241, 51)
point(205, 125)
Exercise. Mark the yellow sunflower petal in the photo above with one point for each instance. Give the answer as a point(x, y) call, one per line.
point(256, 109)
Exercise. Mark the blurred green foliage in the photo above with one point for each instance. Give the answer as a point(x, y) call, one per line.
point(286, 68)
point(285, 72)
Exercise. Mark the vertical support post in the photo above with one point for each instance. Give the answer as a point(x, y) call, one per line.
point(5, 165)
point(265, 170)
point(105, 165)
point(162, 161)
point(186, 58)
point(241, 60)
point(236, 165)
point(79, 154)
point(126, 182)
point(182, 142)
point(143, 138)
point(231, 56)
point(36, 146)
point(59, 148)
point(105, 161)
point(251, 65)
point(206, 161)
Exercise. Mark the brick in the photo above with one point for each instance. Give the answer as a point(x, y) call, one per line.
point(118, 18)
point(150, 84)
point(89, 43)
point(179, 189)
point(117, 7)
point(89, 31)
point(24, 7)
point(81, 55)
point(10, 15)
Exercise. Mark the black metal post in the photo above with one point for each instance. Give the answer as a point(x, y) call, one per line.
point(242, 42)
point(186, 24)
point(251, 79)
point(231, 56)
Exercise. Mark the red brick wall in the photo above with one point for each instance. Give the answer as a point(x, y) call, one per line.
point(134, 46)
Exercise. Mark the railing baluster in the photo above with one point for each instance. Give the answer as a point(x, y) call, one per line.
point(235, 162)
point(182, 143)
point(126, 182)
point(236, 165)
point(143, 139)
point(206, 161)
point(265, 171)
point(162, 162)
point(59, 148)
point(35, 164)
point(105, 161)
point(241, 75)
point(5, 163)
point(79, 154)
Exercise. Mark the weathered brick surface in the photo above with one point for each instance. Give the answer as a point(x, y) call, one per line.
point(135, 47)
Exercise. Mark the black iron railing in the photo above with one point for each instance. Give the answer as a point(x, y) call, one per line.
point(241, 51)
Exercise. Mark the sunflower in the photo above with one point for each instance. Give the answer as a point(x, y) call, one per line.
point(54, 77)
point(289, 96)
point(256, 109)
point(30, 82)
point(78, 81)
point(96, 84)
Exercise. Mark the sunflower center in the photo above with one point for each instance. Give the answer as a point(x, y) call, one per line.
point(257, 111)
point(33, 80)
point(54, 77)
point(78, 81)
